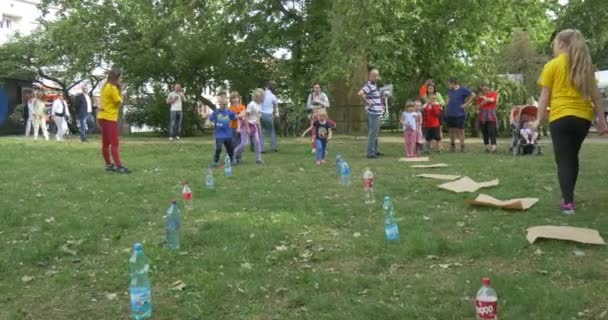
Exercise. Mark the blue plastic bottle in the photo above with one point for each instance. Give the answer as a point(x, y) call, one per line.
point(209, 183)
point(139, 289)
point(345, 174)
point(172, 226)
point(339, 162)
point(391, 229)
point(227, 166)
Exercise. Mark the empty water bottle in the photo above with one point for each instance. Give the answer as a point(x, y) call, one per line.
point(172, 226)
point(187, 196)
point(339, 162)
point(139, 288)
point(368, 186)
point(486, 302)
point(227, 166)
point(209, 183)
point(391, 229)
point(345, 174)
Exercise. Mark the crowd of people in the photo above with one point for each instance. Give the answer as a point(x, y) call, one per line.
point(567, 84)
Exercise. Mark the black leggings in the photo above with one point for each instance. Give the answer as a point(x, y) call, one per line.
point(488, 130)
point(568, 134)
point(227, 142)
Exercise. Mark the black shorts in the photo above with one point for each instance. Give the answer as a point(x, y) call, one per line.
point(455, 122)
point(432, 134)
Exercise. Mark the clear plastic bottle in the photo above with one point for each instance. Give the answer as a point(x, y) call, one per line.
point(227, 166)
point(368, 187)
point(140, 291)
point(209, 183)
point(391, 230)
point(486, 302)
point(187, 196)
point(345, 174)
point(339, 162)
point(172, 226)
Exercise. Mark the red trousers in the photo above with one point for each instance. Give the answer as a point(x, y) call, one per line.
point(109, 140)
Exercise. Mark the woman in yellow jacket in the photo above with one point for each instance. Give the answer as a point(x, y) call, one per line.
point(569, 87)
point(107, 118)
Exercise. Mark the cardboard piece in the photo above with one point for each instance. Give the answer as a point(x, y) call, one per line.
point(466, 184)
point(421, 159)
point(429, 166)
point(448, 177)
point(581, 235)
point(512, 204)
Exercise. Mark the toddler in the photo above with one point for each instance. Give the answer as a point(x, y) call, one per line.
point(528, 132)
point(408, 120)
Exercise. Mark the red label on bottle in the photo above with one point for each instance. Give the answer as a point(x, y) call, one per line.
point(187, 196)
point(485, 309)
point(368, 183)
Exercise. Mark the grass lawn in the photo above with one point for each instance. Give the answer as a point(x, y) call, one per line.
point(285, 241)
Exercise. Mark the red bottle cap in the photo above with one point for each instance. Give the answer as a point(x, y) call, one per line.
point(485, 282)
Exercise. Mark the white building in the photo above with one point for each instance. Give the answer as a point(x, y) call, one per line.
point(19, 16)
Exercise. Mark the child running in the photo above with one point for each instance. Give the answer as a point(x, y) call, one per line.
point(431, 113)
point(408, 120)
point(223, 135)
point(248, 127)
point(313, 118)
point(323, 128)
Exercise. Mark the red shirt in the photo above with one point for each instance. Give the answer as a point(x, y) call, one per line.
point(430, 115)
point(491, 105)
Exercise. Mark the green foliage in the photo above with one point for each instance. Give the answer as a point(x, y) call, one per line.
point(17, 116)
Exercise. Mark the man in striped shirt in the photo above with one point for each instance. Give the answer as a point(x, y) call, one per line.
point(374, 108)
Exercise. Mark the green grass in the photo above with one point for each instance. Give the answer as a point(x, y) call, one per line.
point(323, 270)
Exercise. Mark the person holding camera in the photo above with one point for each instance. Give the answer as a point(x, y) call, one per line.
point(175, 99)
point(317, 100)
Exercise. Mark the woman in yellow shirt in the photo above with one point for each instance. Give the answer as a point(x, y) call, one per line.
point(569, 87)
point(107, 118)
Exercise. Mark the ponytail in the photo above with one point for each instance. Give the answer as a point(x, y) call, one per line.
point(579, 61)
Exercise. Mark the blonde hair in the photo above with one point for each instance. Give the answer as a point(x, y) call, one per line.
point(579, 61)
point(234, 94)
point(257, 92)
point(321, 111)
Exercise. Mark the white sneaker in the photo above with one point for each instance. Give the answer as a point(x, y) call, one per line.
point(177, 137)
point(171, 139)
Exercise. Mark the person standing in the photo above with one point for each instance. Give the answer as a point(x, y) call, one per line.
point(486, 104)
point(107, 118)
point(459, 98)
point(60, 113)
point(374, 108)
point(238, 109)
point(316, 99)
point(569, 87)
point(175, 99)
point(40, 117)
point(270, 107)
point(84, 106)
point(29, 120)
point(221, 119)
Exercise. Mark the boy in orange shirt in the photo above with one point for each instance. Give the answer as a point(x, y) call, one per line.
point(237, 108)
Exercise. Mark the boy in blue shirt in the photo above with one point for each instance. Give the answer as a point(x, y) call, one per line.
point(459, 98)
point(223, 134)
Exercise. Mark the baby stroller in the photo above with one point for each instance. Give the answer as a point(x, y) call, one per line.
point(518, 117)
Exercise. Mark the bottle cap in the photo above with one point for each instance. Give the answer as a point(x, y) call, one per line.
point(173, 201)
point(485, 282)
point(387, 198)
point(138, 246)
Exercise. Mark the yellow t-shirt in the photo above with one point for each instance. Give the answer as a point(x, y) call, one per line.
point(109, 102)
point(565, 99)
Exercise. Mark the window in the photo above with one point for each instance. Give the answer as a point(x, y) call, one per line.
point(8, 24)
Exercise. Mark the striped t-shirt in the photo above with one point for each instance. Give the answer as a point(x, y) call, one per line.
point(372, 95)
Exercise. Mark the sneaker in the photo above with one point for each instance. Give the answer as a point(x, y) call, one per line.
point(177, 137)
point(567, 208)
point(314, 151)
point(259, 162)
point(379, 154)
point(453, 148)
point(462, 148)
point(110, 168)
point(372, 156)
point(323, 161)
point(171, 139)
point(123, 170)
point(318, 162)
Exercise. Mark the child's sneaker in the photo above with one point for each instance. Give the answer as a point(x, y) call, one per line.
point(123, 170)
point(110, 168)
point(567, 208)
point(318, 162)
point(260, 162)
point(314, 151)
point(323, 161)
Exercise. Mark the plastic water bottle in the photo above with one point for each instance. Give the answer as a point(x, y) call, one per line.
point(187, 197)
point(391, 229)
point(345, 174)
point(486, 302)
point(172, 226)
point(339, 162)
point(368, 186)
point(139, 289)
point(227, 166)
point(209, 183)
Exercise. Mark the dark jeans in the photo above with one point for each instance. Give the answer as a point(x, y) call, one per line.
point(176, 124)
point(227, 142)
point(488, 130)
point(85, 121)
point(568, 134)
